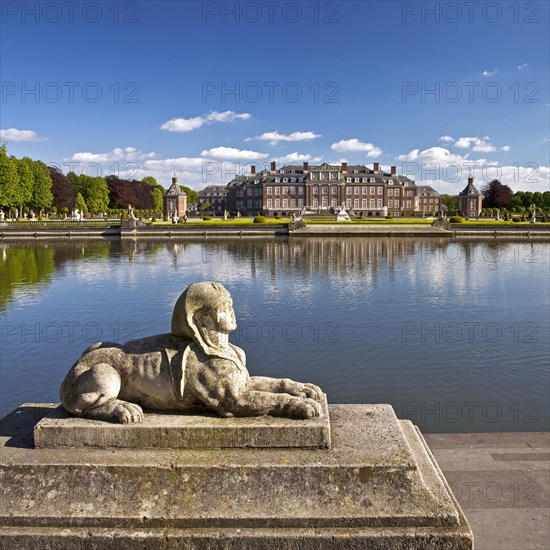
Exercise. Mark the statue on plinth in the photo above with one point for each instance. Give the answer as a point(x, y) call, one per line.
point(192, 367)
point(343, 216)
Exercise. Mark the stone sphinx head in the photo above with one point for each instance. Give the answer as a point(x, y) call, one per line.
point(204, 313)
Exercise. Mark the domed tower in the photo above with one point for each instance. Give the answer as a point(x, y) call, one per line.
point(175, 200)
point(469, 200)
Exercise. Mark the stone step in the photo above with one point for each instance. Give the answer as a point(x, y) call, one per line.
point(377, 485)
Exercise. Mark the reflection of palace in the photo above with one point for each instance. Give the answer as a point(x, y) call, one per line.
point(364, 191)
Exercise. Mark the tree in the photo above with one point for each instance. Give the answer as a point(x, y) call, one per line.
point(497, 195)
point(150, 180)
point(80, 203)
point(62, 190)
point(42, 188)
point(192, 195)
point(9, 180)
point(450, 201)
point(94, 191)
point(26, 182)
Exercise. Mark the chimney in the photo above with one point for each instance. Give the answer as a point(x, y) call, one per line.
point(393, 170)
point(306, 166)
point(344, 167)
point(376, 167)
point(470, 181)
point(252, 170)
point(273, 166)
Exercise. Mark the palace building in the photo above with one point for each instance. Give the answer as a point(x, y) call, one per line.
point(323, 188)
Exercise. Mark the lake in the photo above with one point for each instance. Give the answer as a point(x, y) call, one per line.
point(453, 334)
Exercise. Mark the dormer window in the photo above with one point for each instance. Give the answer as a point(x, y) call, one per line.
point(348, 180)
point(390, 182)
point(277, 180)
point(292, 180)
point(356, 180)
point(285, 180)
point(371, 180)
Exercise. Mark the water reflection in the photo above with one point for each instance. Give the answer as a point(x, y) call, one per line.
point(424, 324)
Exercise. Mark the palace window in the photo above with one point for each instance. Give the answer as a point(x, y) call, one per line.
point(379, 203)
point(390, 192)
point(268, 190)
point(372, 180)
point(397, 192)
point(277, 190)
point(293, 190)
point(356, 191)
point(348, 180)
point(285, 190)
point(325, 203)
point(380, 190)
point(334, 190)
point(356, 203)
point(363, 203)
point(300, 190)
point(390, 204)
point(300, 203)
point(371, 190)
point(277, 203)
point(277, 180)
point(325, 190)
point(348, 190)
point(285, 203)
point(269, 202)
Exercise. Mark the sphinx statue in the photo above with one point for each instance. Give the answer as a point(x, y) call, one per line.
point(194, 367)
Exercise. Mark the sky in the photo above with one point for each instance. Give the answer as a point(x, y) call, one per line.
point(442, 90)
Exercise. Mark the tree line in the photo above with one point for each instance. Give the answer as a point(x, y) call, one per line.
point(497, 196)
point(27, 184)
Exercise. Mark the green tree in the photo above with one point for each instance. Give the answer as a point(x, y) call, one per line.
point(158, 196)
point(192, 195)
point(80, 203)
point(150, 180)
point(9, 180)
point(95, 191)
point(42, 187)
point(26, 182)
point(450, 201)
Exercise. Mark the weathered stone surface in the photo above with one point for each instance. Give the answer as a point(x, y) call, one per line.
point(181, 431)
point(193, 364)
point(376, 487)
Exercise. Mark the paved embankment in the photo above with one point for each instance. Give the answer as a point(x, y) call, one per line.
point(360, 230)
point(502, 482)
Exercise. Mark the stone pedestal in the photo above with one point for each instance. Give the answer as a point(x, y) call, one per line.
point(377, 487)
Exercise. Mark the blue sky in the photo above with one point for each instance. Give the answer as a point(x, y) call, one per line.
point(440, 89)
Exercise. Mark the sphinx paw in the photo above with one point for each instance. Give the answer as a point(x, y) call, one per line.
point(127, 413)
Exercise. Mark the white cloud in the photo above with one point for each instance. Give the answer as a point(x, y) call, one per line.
point(230, 153)
point(276, 137)
point(189, 124)
point(296, 157)
point(446, 138)
point(13, 134)
point(117, 154)
point(432, 155)
point(489, 73)
point(505, 148)
point(447, 172)
point(480, 145)
point(355, 145)
point(524, 66)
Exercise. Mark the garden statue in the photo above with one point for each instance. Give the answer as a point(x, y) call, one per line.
point(192, 367)
point(2, 215)
point(343, 216)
